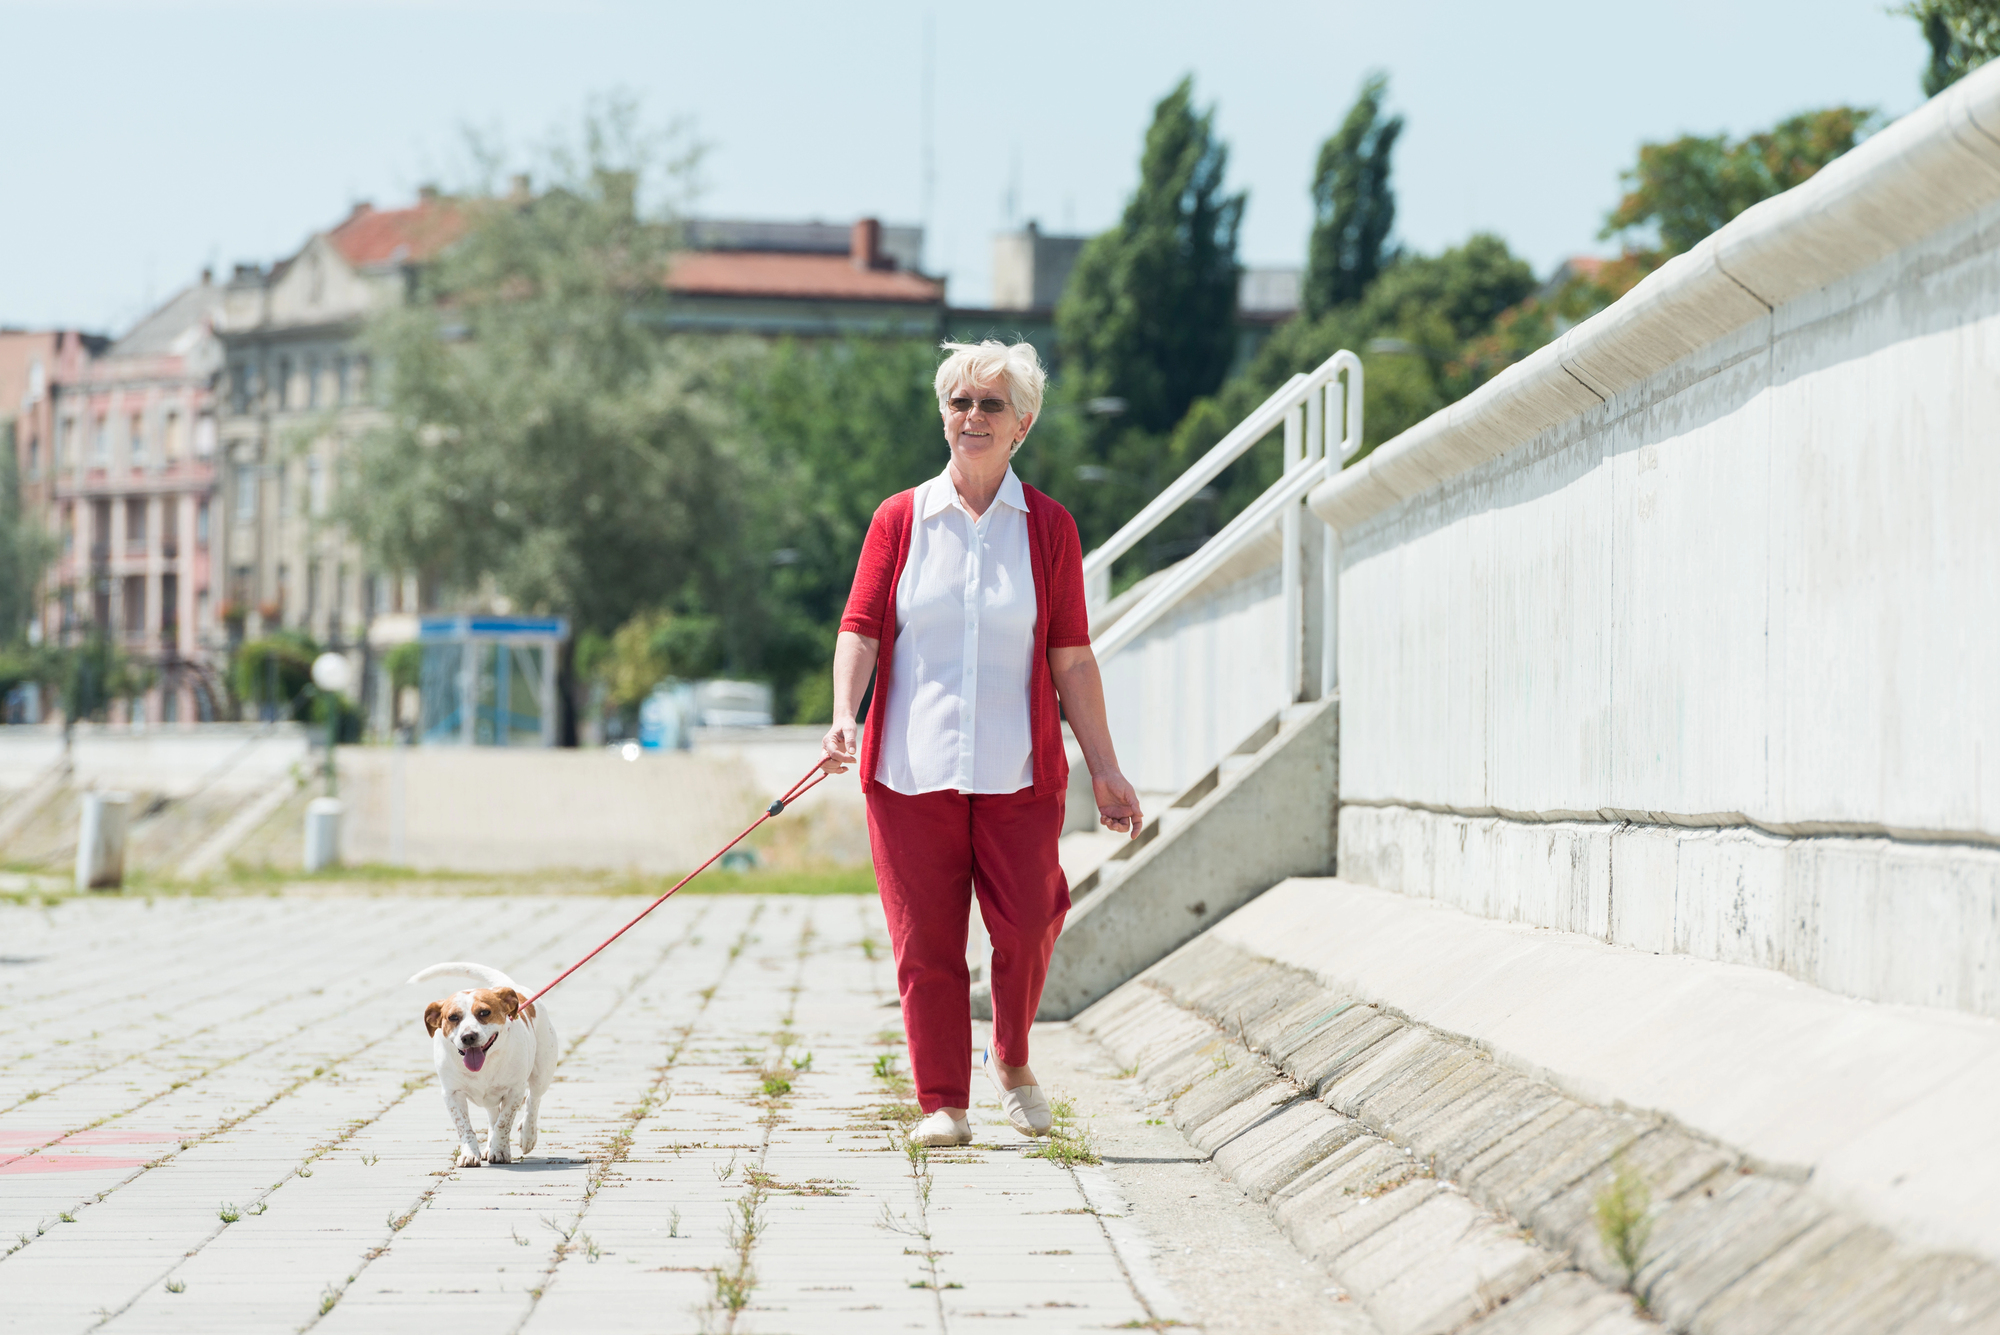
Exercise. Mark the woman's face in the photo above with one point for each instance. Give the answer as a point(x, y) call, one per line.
point(978, 437)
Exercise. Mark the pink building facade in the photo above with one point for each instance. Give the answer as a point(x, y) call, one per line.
point(130, 494)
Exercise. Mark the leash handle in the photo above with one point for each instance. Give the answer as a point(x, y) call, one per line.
point(807, 782)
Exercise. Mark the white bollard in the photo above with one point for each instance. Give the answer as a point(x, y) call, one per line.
point(100, 841)
point(323, 832)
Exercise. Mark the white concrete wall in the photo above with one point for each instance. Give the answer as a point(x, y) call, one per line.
point(1728, 556)
point(225, 758)
point(1198, 681)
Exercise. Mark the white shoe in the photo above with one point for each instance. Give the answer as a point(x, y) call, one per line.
point(941, 1129)
point(1024, 1105)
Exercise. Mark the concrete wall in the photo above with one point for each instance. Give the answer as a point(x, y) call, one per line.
point(225, 758)
point(503, 810)
point(1724, 559)
point(1209, 673)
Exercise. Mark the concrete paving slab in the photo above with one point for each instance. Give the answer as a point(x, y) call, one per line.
point(1565, 1303)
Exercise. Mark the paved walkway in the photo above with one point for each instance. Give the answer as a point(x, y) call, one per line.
point(219, 1115)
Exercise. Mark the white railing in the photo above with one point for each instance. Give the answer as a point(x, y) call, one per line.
point(1305, 406)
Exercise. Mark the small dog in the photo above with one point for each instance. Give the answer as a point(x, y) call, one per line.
point(490, 1049)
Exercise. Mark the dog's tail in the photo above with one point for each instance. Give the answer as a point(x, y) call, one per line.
point(478, 973)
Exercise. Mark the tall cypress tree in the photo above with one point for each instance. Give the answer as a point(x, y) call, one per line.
point(1149, 313)
point(1353, 206)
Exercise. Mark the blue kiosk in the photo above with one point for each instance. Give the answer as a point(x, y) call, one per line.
point(490, 680)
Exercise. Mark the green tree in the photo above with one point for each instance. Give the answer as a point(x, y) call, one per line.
point(1353, 207)
point(1962, 35)
point(1149, 312)
point(1687, 188)
point(542, 438)
point(25, 548)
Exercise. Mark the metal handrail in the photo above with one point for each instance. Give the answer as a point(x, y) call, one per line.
point(1306, 407)
point(1267, 417)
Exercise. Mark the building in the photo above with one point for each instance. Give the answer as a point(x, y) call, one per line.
point(811, 280)
point(298, 387)
point(121, 465)
point(32, 362)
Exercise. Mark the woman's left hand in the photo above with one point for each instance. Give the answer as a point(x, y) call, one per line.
point(1117, 803)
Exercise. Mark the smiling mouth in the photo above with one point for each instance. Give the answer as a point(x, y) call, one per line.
point(476, 1057)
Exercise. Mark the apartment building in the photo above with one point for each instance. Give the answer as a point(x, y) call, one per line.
point(120, 462)
point(298, 388)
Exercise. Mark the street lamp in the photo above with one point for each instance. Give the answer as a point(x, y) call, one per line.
point(331, 673)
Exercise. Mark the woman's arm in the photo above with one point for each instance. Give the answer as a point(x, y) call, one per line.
point(1082, 693)
point(853, 660)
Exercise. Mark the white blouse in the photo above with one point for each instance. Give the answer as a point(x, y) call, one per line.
point(957, 712)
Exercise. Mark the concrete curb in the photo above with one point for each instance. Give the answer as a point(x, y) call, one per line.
point(1371, 1137)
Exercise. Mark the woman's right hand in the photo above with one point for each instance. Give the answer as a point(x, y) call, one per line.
point(838, 747)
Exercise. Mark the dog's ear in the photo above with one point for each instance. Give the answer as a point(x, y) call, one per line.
point(433, 1017)
point(510, 999)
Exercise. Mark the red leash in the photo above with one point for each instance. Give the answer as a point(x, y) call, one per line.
point(805, 785)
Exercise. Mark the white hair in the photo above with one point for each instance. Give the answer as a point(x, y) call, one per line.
point(989, 362)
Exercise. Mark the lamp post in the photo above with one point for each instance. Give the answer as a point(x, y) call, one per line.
point(331, 673)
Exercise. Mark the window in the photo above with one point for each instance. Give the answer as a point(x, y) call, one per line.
point(282, 389)
point(170, 604)
point(239, 387)
point(65, 441)
point(100, 532)
point(246, 493)
point(34, 459)
point(204, 435)
point(312, 590)
point(69, 527)
point(100, 443)
point(316, 486)
point(135, 526)
point(284, 490)
point(170, 437)
point(170, 526)
point(135, 605)
point(312, 383)
point(201, 525)
point(135, 439)
point(340, 380)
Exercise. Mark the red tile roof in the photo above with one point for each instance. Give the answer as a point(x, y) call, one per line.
point(751, 273)
point(381, 236)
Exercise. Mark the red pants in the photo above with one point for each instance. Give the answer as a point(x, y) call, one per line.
point(932, 853)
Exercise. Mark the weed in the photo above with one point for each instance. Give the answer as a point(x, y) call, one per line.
point(885, 1066)
point(327, 1298)
point(228, 1214)
point(591, 1249)
point(176, 1286)
point(804, 1063)
point(515, 1234)
point(1155, 1121)
point(257, 1209)
point(67, 1217)
point(776, 1085)
point(1067, 1143)
point(722, 1174)
point(1622, 1223)
point(1127, 1072)
point(305, 1172)
point(674, 1224)
point(370, 1159)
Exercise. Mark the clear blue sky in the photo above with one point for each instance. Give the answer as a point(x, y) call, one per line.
point(149, 137)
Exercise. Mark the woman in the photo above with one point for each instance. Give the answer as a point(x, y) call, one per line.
point(975, 581)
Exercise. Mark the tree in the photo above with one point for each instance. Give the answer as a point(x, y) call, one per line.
point(1353, 206)
point(1149, 312)
point(1962, 34)
point(1687, 188)
point(542, 440)
point(25, 548)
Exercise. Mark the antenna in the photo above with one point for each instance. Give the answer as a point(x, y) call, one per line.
point(928, 176)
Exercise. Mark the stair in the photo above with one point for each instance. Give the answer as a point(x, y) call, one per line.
point(1265, 812)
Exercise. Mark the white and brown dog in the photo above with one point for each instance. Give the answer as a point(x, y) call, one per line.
point(492, 1049)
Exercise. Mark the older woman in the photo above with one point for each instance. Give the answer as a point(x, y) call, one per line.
point(974, 581)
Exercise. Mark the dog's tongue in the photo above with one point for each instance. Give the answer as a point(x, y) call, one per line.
point(474, 1058)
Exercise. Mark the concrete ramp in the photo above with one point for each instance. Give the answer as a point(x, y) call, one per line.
point(1264, 813)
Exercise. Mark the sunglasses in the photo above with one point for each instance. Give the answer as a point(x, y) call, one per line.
point(991, 407)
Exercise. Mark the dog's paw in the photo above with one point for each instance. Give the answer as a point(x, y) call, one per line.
point(500, 1155)
point(467, 1157)
point(527, 1140)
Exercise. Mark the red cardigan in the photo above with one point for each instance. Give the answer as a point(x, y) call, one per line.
point(1062, 621)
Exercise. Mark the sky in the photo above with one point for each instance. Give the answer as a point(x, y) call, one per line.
point(153, 137)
